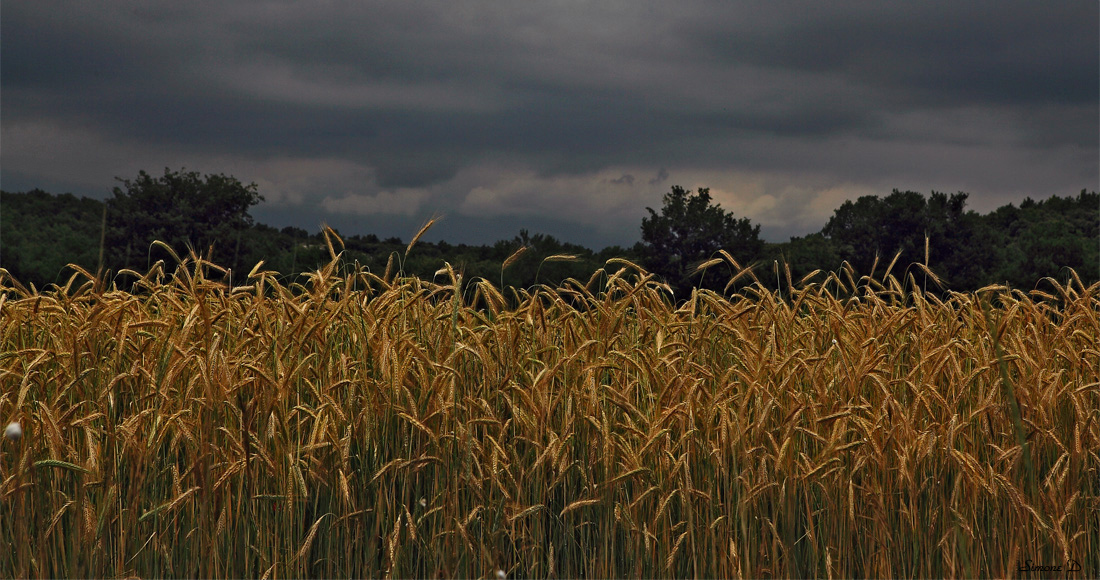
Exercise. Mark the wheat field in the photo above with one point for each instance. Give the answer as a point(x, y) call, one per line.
point(368, 425)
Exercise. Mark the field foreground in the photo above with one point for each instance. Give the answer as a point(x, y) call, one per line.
point(365, 426)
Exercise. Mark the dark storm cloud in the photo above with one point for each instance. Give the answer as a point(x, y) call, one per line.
point(935, 54)
point(1002, 51)
point(539, 112)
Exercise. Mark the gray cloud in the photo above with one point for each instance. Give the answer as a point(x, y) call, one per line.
point(572, 116)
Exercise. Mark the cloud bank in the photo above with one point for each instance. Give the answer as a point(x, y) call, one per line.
point(565, 118)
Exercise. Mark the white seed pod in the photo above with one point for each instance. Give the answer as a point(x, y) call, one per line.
point(13, 431)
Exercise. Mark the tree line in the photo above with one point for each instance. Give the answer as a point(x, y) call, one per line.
point(41, 233)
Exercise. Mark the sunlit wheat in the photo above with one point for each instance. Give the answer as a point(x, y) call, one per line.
point(361, 425)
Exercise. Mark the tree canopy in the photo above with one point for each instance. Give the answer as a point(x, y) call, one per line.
point(1014, 245)
point(690, 230)
point(182, 209)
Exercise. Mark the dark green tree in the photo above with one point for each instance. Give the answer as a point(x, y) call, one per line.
point(804, 254)
point(690, 230)
point(41, 233)
point(182, 209)
point(874, 227)
point(1042, 238)
point(958, 247)
point(962, 249)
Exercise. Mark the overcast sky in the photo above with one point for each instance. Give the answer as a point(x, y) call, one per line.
point(566, 118)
